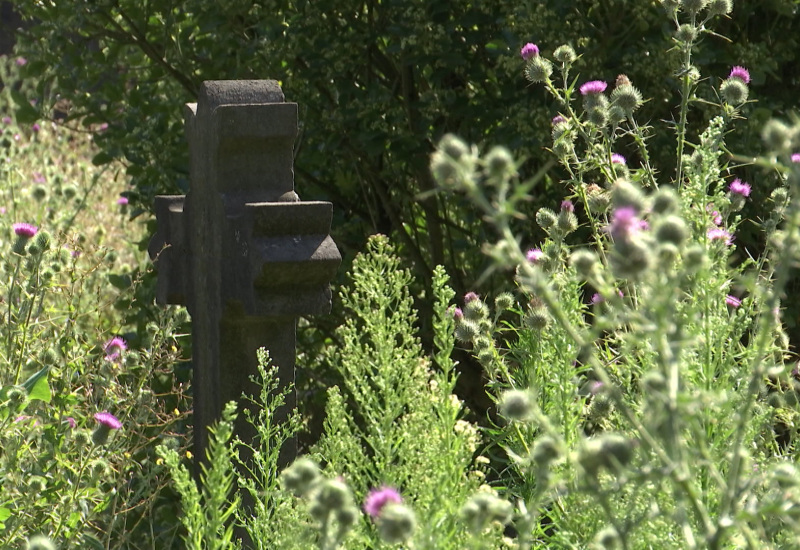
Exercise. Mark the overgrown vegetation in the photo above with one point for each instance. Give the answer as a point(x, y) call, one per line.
point(644, 391)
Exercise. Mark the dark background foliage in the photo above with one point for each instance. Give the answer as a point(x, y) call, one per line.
point(378, 83)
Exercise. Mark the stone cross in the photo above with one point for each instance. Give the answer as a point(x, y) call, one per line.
point(241, 250)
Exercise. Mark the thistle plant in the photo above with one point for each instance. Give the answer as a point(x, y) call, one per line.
point(83, 397)
point(642, 376)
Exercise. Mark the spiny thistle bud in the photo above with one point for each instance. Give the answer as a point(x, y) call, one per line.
point(16, 395)
point(625, 193)
point(538, 69)
point(516, 405)
point(475, 310)
point(545, 451)
point(444, 170)
point(626, 97)
point(597, 199)
point(300, 477)
point(82, 438)
point(481, 343)
point(694, 258)
point(694, 6)
point(670, 6)
point(610, 451)
point(39, 193)
point(48, 357)
point(777, 136)
point(40, 542)
point(607, 539)
point(70, 192)
point(734, 91)
point(599, 408)
point(720, 7)
point(504, 301)
point(780, 196)
point(672, 229)
point(559, 128)
point(631, 258)
point(599, 116)
point(667, 253)
point(466, 330)
point(486, 357)
point(565, 54)
point(686, 33)
point(484, 508)
point(537, 319)
point(396, 523)
point(563, 148)
point(453, 146)
point(333, 495)
point(500, 163)
point(584, 262)
point(37, 484)
point(546, 218)
point(567, 221)
point(665, 201)
point(41, 240)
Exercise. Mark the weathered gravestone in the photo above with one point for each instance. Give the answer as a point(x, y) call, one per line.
point(241, 250)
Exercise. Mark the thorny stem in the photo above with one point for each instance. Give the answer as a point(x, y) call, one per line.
point(686, 83)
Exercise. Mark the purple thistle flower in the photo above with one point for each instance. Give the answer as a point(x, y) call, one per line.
point(625, 223)
point(558, 119)
point(471, 297)
point(529, 50)
point(36, 127)
point(741, 73)
point(719, 234)
point(114, 347)
point(567, 206)
point(38, 177)
point(597, 298)
point(795, 157)
point(71, 421)
point(21, 61)
point(733, 301)
point(593, 87)
point(108, 420)
point(716, 217)
point(534, 255)
point(25, 230)
point(616, 158)
point(378, 498)
point(737, 187)
point(103, 127)
point(457, 313)
point(6, 120)
point(122, 201)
